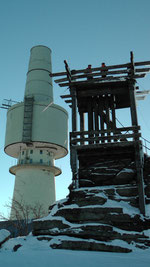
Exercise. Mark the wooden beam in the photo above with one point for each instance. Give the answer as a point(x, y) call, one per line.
point(105, 145)
point(100, 74)
point(142, 69)
point(55, 74)
point(123, 129)
point(74, 110)
point(93, 75)
point(68, 101)
point(106, 138)
point(65, 96)
point(141, 63)
point(68, 71)
point(107, 79)
point(139, 168)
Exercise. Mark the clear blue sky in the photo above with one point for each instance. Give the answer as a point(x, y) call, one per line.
point(82, 32)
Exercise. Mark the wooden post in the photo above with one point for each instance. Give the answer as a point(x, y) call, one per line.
point(96, 117)
point(74, 167)
point(102, 114)
point(138, 150)
point(113, 122)
point(90, 118)
point(132, 93)
point(73, 152)
point(107, 115)
point(139, 168)
point(82, 125)
point(133, 103)
point(74, 110)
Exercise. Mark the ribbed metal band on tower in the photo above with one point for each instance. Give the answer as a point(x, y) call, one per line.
point(36, 135)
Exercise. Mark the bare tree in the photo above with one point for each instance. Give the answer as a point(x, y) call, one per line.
point(21, 214)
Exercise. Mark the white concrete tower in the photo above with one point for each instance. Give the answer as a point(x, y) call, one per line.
point(36, 136)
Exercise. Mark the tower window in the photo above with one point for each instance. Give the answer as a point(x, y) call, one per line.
point(31, 151)
point(41, 151)
point(22, 152)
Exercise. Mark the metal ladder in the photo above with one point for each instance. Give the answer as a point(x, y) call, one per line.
point(27, 121)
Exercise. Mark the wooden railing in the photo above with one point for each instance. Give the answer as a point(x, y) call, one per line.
point(105, 136)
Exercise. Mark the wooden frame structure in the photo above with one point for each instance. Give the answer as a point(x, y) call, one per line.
point(96, 95)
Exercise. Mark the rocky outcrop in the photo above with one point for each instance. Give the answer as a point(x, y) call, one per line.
point(104, 215)
point(94, 218)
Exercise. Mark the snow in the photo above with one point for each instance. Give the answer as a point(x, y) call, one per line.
point(126, 171)
point(38, 253)
point(4, 234)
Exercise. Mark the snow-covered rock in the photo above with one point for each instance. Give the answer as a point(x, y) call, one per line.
point(4, 236)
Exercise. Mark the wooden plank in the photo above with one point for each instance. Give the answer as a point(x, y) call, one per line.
point(142, 70)
point(105, 145)
point(107, 79)
point(124, 129)
point(141, 63)
point(101, 68)
point(93, 75)
point(68, 101)
point(138, 76)
point(106, 138)
point(65, 96)
point(127, 65)
point(55, 74)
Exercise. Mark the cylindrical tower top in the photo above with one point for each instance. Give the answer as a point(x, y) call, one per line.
point(39, 83)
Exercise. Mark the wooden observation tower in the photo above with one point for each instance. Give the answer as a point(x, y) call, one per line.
point(95, 94)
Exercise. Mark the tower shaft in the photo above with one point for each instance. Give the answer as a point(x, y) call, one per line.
point(36, 135)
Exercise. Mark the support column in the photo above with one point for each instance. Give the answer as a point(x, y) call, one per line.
point(90, 119)
point(96, 118)
point(138, 148)
point(73, 152)
point(139, 161)
point(74, 109)
point(133, 103)
point(107, 116)
point(102, 114)
point(82, 125)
